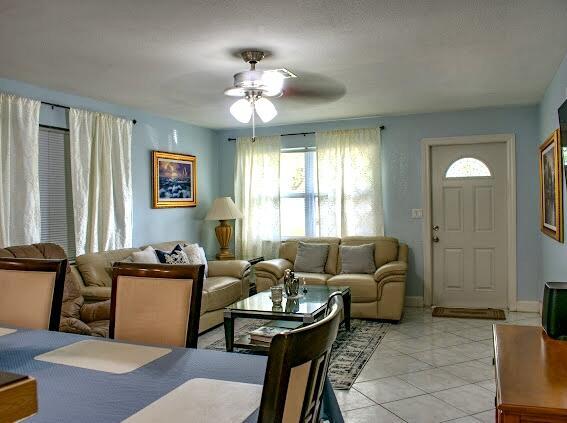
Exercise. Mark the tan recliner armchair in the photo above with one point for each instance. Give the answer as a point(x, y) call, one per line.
point(374, 296)
point(76, 316)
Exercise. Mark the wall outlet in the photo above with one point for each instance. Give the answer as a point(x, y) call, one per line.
point(416, 213)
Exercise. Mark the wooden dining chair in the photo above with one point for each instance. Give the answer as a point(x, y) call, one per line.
point(297, 368)
point(31, 292)
point(156, 303)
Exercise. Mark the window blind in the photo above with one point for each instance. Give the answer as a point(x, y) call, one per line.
point(55, 189)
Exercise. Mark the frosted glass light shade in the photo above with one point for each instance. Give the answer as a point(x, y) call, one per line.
point(265, 109)
point(242, 110)
point(273, 81)
point(224, 209)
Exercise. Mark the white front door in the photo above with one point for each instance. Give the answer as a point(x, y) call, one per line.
point(469, 234)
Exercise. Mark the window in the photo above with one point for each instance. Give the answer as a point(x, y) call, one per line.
point(467, 167)
point(55, 189)
point(298, 192)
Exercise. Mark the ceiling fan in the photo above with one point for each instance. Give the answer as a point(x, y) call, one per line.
point(256, 86)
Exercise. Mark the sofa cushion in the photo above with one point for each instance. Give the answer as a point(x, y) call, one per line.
point(219, 292)
point(314, 278)
point(165, 246)
point(147, 255)
point(385, 250)
point(175, 256)
point(96, 268)
point(196, 255)
point(311, 257)
point(357, 258)
point(363, 288)
point(288, 250)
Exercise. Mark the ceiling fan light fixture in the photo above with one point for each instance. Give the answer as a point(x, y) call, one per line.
point(265, 109)
point(242, 110)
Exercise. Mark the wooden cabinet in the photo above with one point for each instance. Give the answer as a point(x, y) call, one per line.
point(531, 375)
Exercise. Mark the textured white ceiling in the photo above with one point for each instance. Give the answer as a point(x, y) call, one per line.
point(172, 57)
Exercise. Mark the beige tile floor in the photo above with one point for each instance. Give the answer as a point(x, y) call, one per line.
point(428, 370)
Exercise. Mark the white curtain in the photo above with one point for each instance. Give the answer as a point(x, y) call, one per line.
point(349, 182)
point(102, 180)
point(20, 215)
point(257, 195)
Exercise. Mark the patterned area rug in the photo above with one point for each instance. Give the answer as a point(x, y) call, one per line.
point(351, 350)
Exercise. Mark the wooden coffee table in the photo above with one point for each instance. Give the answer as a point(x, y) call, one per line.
point(307, 309)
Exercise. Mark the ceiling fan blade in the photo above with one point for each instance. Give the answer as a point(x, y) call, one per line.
point(312, 88)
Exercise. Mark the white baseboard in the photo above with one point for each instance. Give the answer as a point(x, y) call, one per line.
point(528, 306)
point(414, 301)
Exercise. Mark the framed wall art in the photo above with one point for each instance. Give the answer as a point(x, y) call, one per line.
point(551, 187)
point(174, 180)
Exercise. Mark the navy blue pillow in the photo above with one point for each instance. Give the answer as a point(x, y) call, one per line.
point(176, 256)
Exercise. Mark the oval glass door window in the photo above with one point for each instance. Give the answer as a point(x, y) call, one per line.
point(467, 167)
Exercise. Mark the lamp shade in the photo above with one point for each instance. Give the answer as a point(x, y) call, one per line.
point(224, 209)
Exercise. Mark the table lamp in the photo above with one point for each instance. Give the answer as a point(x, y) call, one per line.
point(224, 210)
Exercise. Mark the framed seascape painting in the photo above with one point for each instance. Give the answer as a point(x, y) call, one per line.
point(551, 187)
point(174, 180)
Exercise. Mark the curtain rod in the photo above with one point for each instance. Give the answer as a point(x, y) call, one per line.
point(58, 128)
point(382, 127)
point(68, 108)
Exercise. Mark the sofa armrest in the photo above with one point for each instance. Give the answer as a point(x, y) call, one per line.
point(235, 268)
point(72, 325)
point(96, 293)
point(394, 268)
point(274, 267)
point(95, 311)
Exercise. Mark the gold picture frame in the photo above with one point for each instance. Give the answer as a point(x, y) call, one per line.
point(551, 187)
point(174, 180)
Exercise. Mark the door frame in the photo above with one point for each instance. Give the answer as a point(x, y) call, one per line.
point(426, 146)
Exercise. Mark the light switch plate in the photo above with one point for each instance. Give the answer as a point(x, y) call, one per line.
point(416, 213)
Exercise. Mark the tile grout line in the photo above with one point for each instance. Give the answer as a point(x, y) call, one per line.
point(412, 331)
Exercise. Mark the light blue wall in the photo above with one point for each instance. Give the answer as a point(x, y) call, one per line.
point(401, 159)
point(553, 253)
point(150, 133)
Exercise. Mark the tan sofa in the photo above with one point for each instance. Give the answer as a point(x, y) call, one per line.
point(374, 296)
point(227, 281)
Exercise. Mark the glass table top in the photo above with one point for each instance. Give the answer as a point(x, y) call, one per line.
point(308, 303)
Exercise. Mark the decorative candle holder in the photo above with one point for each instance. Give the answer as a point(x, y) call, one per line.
point(276, 295)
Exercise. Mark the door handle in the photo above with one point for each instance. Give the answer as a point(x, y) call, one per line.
point(435, 238)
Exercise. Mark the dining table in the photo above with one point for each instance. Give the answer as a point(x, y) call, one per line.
point(87, 379)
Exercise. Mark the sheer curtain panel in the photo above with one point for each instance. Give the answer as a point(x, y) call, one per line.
point(102, 180)
point(349, 182)
point(20, 215)
point(257, 195)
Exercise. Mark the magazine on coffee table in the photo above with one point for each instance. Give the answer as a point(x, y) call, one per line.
point(265, 333)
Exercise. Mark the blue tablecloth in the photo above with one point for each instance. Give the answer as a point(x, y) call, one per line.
point(72, 394)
